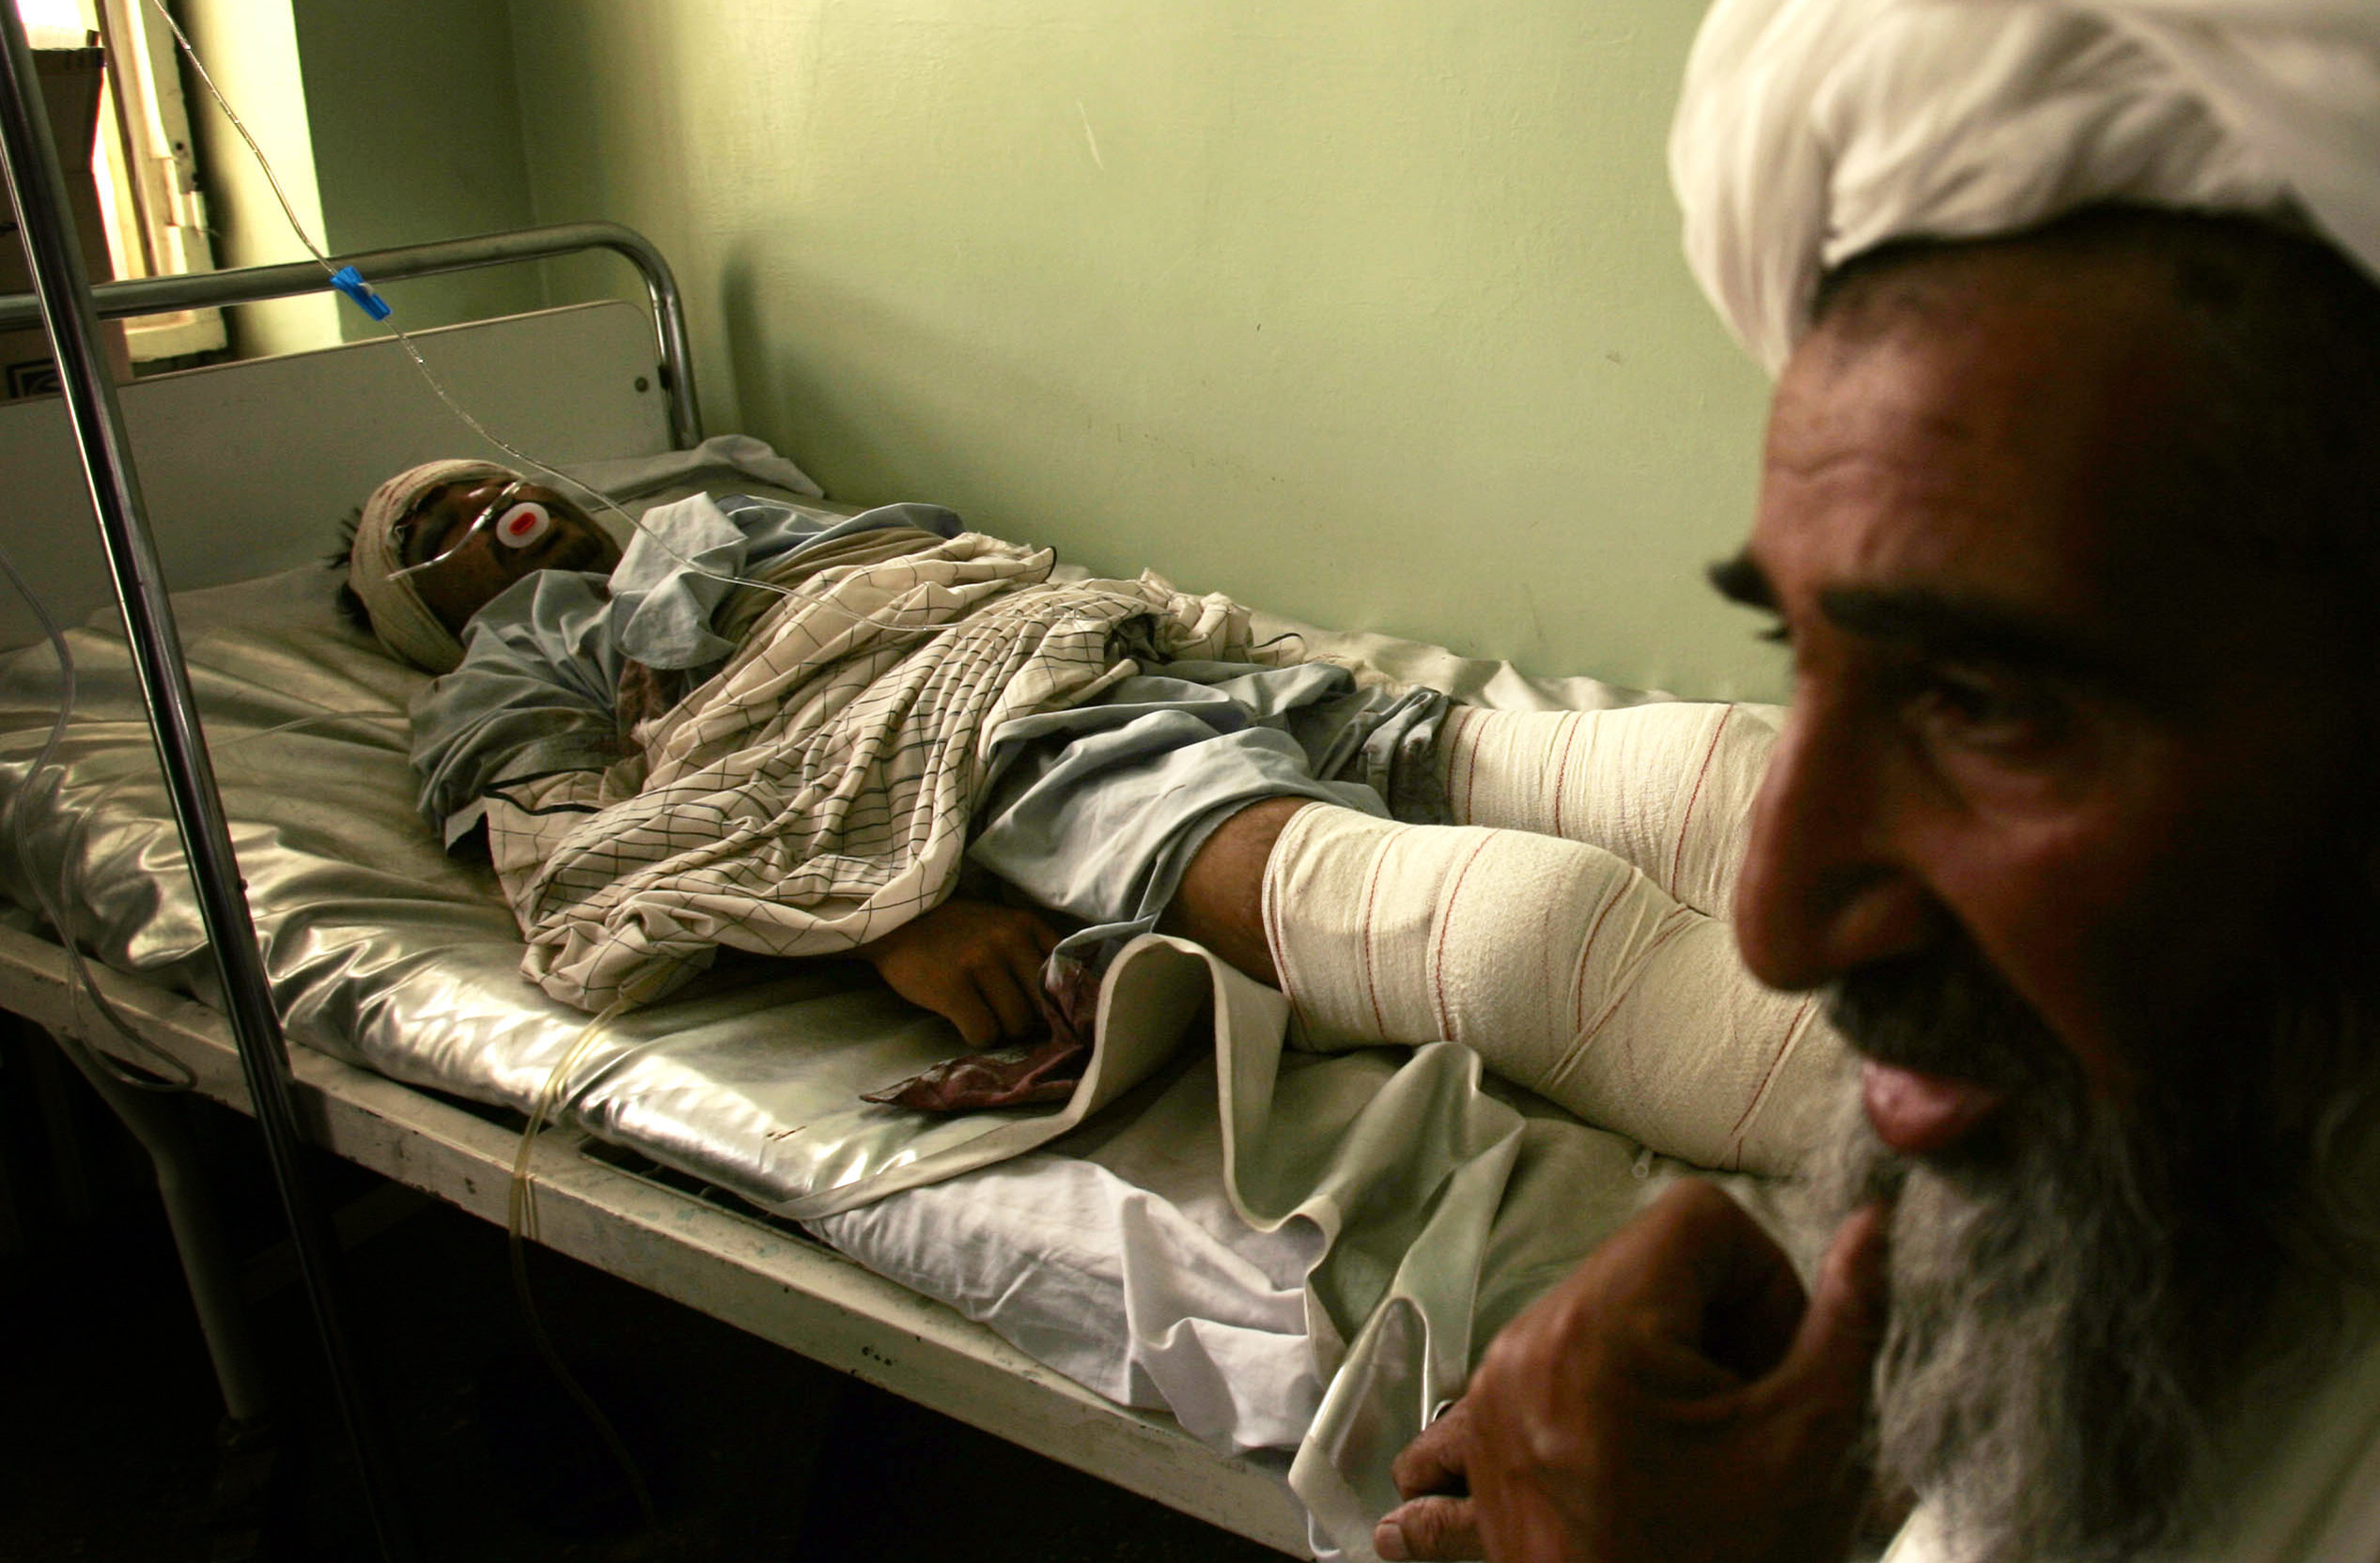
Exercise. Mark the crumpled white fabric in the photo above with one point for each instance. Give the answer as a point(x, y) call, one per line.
point(1162, 1298)
point(1809, 130)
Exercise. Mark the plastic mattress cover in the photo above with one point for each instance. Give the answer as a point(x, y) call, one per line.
point(1287, 1251)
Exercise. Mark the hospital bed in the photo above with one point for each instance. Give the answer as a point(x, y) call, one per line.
point(702, 1134)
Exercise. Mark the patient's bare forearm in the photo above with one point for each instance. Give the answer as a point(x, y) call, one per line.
point(1221, 903)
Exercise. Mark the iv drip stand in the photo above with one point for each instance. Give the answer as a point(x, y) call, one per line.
point(38, 189)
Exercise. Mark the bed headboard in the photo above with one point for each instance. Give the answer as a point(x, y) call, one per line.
point(248, 467)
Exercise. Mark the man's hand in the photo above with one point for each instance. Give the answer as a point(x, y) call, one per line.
point(1674, 1399)
point(976, 964)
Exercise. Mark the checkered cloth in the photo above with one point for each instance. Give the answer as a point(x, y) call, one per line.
point(816, 793)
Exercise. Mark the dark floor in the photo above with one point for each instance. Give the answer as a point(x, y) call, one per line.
point(109, 1416)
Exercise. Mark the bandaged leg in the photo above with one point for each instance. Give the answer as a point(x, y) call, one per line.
point(1564, 968)
point(1669, 786)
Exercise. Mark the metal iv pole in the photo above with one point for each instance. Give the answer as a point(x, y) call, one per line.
point(38, 192)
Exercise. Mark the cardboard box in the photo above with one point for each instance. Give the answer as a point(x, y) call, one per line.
point(71, 82)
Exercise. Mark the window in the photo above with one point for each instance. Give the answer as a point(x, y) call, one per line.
point(154, 214)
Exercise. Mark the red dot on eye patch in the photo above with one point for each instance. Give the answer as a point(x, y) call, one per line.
point(522, 525)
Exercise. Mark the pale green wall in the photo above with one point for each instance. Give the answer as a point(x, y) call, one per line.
point(388, 122)
point(1370, 313)
point(250, 50)
point(416, 137)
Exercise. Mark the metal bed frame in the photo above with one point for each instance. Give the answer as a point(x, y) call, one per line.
point(120, 300)
point(715, 1258)
point(734, 1266)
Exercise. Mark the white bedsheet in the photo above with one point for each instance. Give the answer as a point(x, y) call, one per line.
point(1144, 1286)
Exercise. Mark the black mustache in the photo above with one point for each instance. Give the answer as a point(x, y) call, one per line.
point(1946, 1011)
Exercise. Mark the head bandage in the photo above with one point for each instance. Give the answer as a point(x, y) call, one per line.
point(408, 629)
point(1809, 130)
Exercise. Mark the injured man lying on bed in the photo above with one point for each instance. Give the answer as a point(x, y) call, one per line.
point(768, 726)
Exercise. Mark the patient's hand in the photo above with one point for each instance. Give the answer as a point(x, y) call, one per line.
point(976, 964)
point(1675, 1398)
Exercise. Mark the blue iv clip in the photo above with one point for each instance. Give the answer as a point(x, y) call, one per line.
point(351, 282)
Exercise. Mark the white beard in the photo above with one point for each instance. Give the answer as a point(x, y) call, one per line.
point(2040, 1383)
point(2079, 1294)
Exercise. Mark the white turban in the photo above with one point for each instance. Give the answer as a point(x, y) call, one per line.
point(410, 630)
point(1812, 129)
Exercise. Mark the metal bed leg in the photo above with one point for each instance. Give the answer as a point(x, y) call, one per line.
point(191, 1211)
point(37, 191)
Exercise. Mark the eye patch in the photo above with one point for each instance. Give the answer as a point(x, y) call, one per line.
point(523, 525)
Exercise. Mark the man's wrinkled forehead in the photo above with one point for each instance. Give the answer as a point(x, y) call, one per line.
point(1993, 450)
point(2013, 400)
point(1985, 364)
point(2015, 478)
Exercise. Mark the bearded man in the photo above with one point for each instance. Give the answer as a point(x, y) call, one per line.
point(2068, 515)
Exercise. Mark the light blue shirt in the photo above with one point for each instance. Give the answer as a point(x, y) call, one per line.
point(538, 688)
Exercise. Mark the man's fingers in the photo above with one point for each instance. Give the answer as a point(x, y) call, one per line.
point(1675, 1386)
point(978, 1026)
point(1435, 1528)
point(1021, 947)
point(1009, 1000)
point(1754, 1322)
point(1720, 1288)
point(1826, 1368)
point(974, 963)
point(1437, 1459)
point(1026, 949)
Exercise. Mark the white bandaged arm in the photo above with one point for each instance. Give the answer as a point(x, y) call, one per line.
point(1562, 966)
